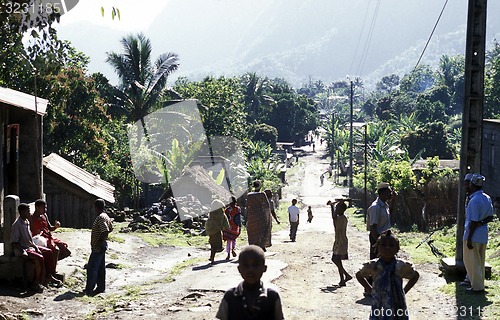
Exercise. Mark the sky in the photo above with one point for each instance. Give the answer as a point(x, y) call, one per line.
point(134, 14)
point(296, 39)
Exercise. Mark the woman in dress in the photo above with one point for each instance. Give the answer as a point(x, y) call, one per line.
point(233, 214)
point(340, 244)
point(258, 217)
point(216, 223)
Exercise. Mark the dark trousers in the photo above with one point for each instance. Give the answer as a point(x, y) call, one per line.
point(293, 230)
point(96, 270)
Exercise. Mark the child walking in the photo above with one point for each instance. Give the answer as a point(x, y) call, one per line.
point(340, 244)
point(387, 272)
point(251, 299)
point(309, 214)
point(233, 214)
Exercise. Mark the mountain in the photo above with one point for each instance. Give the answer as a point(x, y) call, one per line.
point(295, 39)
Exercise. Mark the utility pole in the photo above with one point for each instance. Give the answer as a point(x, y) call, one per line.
point(472, 118)
point(350, 138)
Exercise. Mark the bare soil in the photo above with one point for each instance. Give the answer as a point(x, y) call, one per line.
point(306, 278)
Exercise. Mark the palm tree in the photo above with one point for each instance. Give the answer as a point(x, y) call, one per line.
point(255, 95)
point(141, 82)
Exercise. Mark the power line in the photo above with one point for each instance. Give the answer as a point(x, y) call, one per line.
point(430, 37)
point(359, 37)
point(369, 39)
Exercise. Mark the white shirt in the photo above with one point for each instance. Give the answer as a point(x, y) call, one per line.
point(293, 213)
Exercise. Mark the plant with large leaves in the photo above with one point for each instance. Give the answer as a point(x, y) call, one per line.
point(141, 82)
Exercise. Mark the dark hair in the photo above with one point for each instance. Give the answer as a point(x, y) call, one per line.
point(23, 207)
point(257, 184)
point(233, 199)
point(252, 251)
point(40, 202)
point(389, 236)
point(100, 204)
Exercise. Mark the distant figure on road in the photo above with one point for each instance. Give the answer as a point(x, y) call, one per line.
point(293, 218)
point(340, 245)
point(387, 273)
point(314, 147)
point(251, 299)
point(322, 179)
point(258, 217)
point(309, 214)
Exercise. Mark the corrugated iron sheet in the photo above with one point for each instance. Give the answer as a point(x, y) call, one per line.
point(23, 100)
point(79, 177)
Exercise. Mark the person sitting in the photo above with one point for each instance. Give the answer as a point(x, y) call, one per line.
point(40, 225)
point(23, 246)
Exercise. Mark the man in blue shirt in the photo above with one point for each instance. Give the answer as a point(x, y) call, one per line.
point(479, 211)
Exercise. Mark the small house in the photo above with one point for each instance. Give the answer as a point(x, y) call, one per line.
point(71, 192)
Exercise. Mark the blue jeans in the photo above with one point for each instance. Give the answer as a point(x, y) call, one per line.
point(96, 270)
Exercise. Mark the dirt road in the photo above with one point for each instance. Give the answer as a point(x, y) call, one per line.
point(303, 272)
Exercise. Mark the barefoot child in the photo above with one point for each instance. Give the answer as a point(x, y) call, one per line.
point(388, 272)
point(251, 299)
point(341, 243)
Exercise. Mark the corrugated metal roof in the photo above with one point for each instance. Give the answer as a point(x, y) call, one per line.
point(23, 100)
point(79, 177)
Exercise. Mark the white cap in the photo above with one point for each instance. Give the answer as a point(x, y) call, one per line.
point(383, 185)
point(477, 179)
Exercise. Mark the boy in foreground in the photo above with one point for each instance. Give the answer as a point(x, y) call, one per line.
point(251, 299)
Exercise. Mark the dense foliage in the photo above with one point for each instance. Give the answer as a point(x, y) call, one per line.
point(409, 117)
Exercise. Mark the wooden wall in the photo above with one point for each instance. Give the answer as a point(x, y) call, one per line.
point(72, 206)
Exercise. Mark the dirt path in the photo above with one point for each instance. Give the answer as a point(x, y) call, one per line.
point(303, 271)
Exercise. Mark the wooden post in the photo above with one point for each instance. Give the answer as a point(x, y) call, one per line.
point(472, 118)
point(10, 205)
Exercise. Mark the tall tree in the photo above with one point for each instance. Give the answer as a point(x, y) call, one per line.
point(141, 81)
point(255, 94)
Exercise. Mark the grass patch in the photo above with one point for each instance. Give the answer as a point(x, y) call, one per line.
point(115, 238)
point(170, 238)
point(107, 304)
point(178, 268)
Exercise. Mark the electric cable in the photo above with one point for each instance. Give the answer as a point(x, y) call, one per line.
point(360, 36)
point(430, 37)
point(369, 39)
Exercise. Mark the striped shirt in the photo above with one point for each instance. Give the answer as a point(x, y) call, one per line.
point(102, 224)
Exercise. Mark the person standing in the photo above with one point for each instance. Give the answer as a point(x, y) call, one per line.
point(258, 217)
point(322, 179)
point(233, 214)
point(269, 195)
point(479, 211)
point(96, 266)
point(387, 290)
point(378, 217)
point(293, 218)
point(340, 244)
